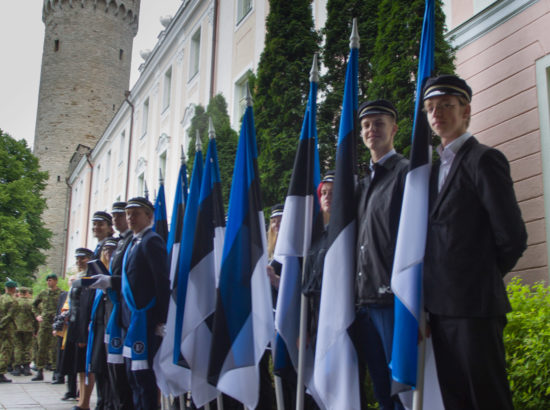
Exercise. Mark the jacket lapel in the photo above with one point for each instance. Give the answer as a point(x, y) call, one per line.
point(452, 172)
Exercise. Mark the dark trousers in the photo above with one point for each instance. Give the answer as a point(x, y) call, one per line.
point(104, 391)
point(470, 362)
point(144, 387)
point(122, 394)
point(372, 335)
point(71, 385)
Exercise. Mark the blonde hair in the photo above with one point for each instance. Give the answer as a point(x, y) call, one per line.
point(271, 241)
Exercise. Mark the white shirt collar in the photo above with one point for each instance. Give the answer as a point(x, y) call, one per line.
point(453, 147)
point(383, 159)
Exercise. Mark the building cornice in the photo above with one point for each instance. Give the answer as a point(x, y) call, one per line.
point(485, 21)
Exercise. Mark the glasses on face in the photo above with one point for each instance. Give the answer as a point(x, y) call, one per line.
point(430, 109)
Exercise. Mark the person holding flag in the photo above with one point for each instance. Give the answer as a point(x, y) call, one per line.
point(316, 259)
point(144, 305)
point(475, 236)
point(379, 198)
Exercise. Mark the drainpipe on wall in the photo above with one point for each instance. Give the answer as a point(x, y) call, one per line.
point(130, 137)
point(214, 45)
point(89, 198)
point(66, 236)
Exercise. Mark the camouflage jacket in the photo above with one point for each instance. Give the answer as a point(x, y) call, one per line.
point(8, 309)
point(45, 304)
point(24, 318)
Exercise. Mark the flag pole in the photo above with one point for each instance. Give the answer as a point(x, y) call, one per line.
point(418, 395)
point(313, 77)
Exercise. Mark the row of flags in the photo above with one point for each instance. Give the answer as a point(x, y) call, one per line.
point(220, 318)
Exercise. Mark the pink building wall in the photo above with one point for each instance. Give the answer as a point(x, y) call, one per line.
point(500, 66)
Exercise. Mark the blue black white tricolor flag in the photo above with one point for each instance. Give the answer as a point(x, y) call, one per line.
point(200, 301)
point(243, 320)
point(406, 280)
point(336, 366)
point(173, 379)
point(301, 216)
point(186, 249)
point(160, 224)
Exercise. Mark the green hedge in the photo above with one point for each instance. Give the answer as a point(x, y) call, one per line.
point(527, 342)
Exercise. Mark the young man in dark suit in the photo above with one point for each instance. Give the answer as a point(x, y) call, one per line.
point(475, 236)
point(146, 292)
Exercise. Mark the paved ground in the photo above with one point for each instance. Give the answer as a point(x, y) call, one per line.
point(21, 393)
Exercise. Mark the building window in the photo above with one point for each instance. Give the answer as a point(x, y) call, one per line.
point(122, 148)
point(96, 179)
point(108, 166)
point(162, 165)
point(145, 117)
point(240, 99)
point(56, 45)
point(167, 89)
point(120, 54)
point(480, 5)
point(243, 8)
point(141, 185)
point(195, 54)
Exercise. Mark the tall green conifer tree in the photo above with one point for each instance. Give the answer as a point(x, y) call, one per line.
point(337, 31)
point(226, 139)
point(281, 89)
point(395, 59)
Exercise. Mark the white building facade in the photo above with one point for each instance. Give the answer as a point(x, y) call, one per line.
point(207, 48)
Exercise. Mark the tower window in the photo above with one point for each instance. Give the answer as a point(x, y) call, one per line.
point(56, 45)
point(120, 54)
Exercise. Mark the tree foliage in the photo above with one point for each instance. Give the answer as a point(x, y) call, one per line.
point(22, 231)
point(280, 93)
point(388, 61)
point(226, 139)
point(395, 59)
point(337, 31)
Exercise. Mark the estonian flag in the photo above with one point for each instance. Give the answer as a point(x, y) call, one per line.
point(200, 302)
point(243, 321)
point(406, 280)
point(336, 367)
point(301, 212)
point(186, 249)
point(172, 379)
point(160, 224)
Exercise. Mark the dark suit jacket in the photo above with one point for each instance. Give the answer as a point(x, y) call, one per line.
point(116, 270)
point(148, 274)
point(378, 211)
point(475, 235)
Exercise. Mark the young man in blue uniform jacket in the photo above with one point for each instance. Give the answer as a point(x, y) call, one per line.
point(145, 288)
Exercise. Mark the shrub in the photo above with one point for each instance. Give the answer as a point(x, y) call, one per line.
point(527, 342)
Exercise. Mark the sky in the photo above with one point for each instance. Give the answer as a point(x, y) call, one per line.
point(21, 43)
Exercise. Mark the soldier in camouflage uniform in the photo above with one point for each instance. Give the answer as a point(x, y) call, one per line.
point(26, 326)
point(44, 308)
point(8, 308)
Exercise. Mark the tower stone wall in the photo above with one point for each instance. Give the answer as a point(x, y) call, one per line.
point(85, 72)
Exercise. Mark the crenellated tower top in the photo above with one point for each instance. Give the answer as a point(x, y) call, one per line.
point(126, 10)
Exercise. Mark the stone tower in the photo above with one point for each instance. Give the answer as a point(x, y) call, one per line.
point(85, 72)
